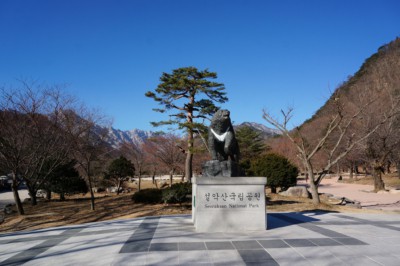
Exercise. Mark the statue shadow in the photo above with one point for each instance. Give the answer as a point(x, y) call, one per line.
point(284, 219)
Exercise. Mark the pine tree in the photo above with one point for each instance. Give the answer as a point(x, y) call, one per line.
point(251, 146)
point(119, 170)
point(189, 94)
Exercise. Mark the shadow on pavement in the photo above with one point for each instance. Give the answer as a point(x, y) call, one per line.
point(278, 220)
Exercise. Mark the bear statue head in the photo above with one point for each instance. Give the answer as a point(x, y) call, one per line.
point(221, 120)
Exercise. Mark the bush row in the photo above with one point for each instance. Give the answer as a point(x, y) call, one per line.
point(177, 193)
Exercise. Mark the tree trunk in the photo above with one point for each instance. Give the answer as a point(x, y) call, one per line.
point(17, 199)
point(92, 206)
point(153, 178)
point(188, 163)
point(171, 175)
point(388, 165)
point(48, 194)
point(377, 174)
point(398, 169)
point(140, 183)
point(62, 196)
point(273, 190)
point(351, 170)
point(118, 186)
point(313, 187)
point(32, 195)
point(338, 169)
point(356, 169)
point(189, 156)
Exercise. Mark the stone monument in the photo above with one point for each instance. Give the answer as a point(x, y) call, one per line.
point(223, 199)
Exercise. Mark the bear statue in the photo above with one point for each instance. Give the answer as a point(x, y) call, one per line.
point(221, 138)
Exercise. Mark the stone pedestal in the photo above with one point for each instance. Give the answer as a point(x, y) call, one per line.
point(217, 168)
point(229, 204)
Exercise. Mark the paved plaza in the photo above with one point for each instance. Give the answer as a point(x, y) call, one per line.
point(311, 238)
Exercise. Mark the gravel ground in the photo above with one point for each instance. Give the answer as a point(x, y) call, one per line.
point(361, 193)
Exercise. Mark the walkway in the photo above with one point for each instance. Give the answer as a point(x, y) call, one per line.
point(291, 239)
point(360, 193)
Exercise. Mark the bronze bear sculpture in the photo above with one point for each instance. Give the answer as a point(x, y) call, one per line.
point(221, 138)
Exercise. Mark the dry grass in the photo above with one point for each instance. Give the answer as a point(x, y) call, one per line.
point(76, 210)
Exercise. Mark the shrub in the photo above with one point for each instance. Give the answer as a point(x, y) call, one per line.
point(177, 193)
point(65, 180)
point(151, 195)
point(280, 172)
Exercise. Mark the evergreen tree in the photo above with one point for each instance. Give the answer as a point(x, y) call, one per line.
point(65, 179)
point(280, 172)
point(251, 146)
point(119, 170)
point(190, 95)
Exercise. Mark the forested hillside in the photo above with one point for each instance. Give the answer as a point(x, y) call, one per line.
point(358, 128)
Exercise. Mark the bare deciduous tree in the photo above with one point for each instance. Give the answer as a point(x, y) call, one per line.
point(165, 149)
point(32, 141)
point(137, 154)
point(335, 140)
point(88, 140)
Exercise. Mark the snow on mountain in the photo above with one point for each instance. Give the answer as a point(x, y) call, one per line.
point(265, 131)
point(136, 136)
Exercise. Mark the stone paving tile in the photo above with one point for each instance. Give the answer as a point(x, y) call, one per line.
point(141, 238)
point(299, 242)
point(29, 236)
point(81, 250)
point(378, 251)
point(38, 249)
point(273, 243)
point(262, 263)
point(324, 242)
point(9, 250)
point(349, 241)
point(164, 247)
point(249, 244)
point(288, 257)
point(323, 231)
point(219, 245)
point(357, 260)
point(229, 264)
point(225, 257)
point(126, 259)
point(194, 257)
point(342, 251)
point(257, 255)
point(191, 246)
point(385, 259)
point(162, 258)
point(318, 256)
point(320, 239)
point(391, 241)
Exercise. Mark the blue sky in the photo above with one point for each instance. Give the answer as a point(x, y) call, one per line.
point(269, 54)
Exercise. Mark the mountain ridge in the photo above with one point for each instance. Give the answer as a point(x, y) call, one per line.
point(137, 136)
